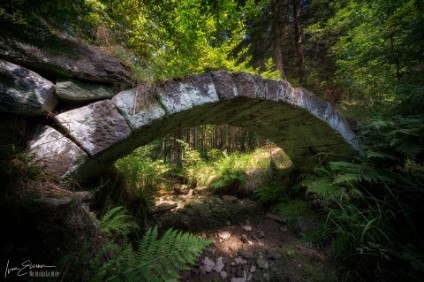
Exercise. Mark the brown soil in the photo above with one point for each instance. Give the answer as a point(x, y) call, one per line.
point(250, 246)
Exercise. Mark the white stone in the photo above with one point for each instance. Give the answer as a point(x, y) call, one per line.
point(224, 235)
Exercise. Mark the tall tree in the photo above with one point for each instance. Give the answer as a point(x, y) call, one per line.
point(298, 33)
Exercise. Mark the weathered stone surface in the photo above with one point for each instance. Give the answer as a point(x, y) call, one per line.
point(138, 106)
point(272, 89)
point(224, 85)
point(183, 95)
point(53, 56)
point(95, 127)
point(201, 89)
point(245, 83)
point(55, 152)
point(173, 97)
point(74, 91)
point(23, 91)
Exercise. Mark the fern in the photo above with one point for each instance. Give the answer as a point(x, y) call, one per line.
point(117, 221)
point(155, 260)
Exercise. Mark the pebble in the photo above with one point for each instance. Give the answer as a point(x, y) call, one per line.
point(252, 269)
point(239, 260)
point(261, 234)
point(238, 279)
point(274, 254)
point(244, 238)
point(246, 254)
point(223, 274)
point(224, 235)
point(262, 263)
point(219, 265)
point(247, 228)
point(208, 264)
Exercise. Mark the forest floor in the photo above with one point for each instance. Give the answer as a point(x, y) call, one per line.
point(249, 244)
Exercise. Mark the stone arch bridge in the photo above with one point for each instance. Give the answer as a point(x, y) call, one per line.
point(85, 140)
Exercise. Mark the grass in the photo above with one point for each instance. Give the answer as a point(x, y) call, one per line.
point(251, 169)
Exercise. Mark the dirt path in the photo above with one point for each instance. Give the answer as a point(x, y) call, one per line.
point(248, 244)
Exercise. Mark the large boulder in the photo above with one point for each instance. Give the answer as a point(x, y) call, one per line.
point(54, 152)
point(23, 91)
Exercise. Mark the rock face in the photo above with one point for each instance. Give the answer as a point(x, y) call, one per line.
point(23, 91)
point(55, 56)
point(76, 91)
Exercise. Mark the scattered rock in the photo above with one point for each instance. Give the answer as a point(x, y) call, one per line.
point(262, 263)
point(219, 265)
point(276, 218)
point(239, 261)
point(274, 254)
point(213, 276)
point(246, 254)
point(238, 279)
point(223, 274)
point(243, 238)
point(224, 235)
point(231, 199)
point(247, 228)
point(252, 269)
point(56, 202)
point(208, 264)
point(261, 234)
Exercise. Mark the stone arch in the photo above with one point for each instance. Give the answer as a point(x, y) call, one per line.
point(89, 138)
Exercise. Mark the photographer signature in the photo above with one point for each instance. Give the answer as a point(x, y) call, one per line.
point(24, 268)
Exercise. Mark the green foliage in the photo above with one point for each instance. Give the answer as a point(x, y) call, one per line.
point(229, 168)
point(117, 221)
point(369, 204)
point(270, 194)
point(375, 49)
point(142, 174)
point(294, 210)
point(154, 260)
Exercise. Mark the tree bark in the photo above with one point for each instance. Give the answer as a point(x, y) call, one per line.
point(298, 33)
point(277, 31)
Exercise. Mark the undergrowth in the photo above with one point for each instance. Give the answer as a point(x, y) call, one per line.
point(127, 257)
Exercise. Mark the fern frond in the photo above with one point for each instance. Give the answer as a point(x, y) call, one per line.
point(164, 257)
point(118, 221)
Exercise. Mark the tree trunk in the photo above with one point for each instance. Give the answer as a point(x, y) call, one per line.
point(177, 148)
point(277, 32)
point(298, 33)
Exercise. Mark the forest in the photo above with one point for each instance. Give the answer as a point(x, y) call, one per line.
point(362, 214)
